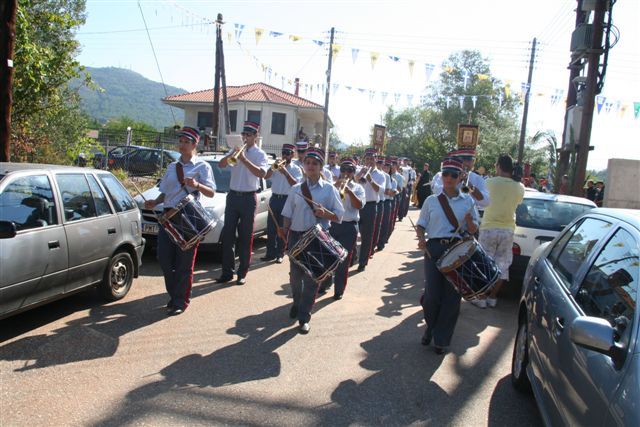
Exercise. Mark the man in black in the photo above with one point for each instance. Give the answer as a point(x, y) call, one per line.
point(590, 192)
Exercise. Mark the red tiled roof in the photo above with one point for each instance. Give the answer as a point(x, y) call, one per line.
point(256, 92)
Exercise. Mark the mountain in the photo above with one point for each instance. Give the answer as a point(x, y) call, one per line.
point(127, 93)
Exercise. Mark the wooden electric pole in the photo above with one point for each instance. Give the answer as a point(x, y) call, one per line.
point(572, 98)
point(589, 98)
point(7, 41)
point(525, 113)
point(325, 124)
point(220, 78)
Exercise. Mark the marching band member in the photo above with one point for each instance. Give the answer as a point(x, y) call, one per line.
point(382, 208)
point(301, 148)
point(282, 179)
point(372, 180)
point(333, 165)
point(311, 201)
point(346, 232)
point(441, 302)
point(476, 184)
point(239, 214)
point(401, 183)
point(189, 174)
point(389, 197)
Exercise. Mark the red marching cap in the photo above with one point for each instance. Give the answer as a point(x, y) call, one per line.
point(463, 153)
point(370, 152)
point(315, 153)
point(190, 133)
point(348, 161)
point(250, 127)
point(451, 165)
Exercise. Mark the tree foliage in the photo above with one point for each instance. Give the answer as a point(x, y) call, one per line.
point(46, 120)
point(426, 133)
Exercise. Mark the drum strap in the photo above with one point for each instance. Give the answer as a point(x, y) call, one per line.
point(180, 173)
point(442, 198)
point(307, 193)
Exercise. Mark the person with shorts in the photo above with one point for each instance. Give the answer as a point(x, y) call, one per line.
point(499, 223)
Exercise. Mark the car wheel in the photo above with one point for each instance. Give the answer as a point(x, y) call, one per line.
point(118, 277)
point(520, 359)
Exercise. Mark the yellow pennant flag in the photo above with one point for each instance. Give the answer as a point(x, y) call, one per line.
point(259, 33)
point(412, 64)
point(507, 89)
point(448, 69)
point(374, 59)
point(295, 38)
point(623, 109)
point(229, 37)
point(336, 50)
point(483, 76)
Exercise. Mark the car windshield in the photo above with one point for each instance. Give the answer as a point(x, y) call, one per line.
point(222, 177)
point(548, 214)
point(173, 154)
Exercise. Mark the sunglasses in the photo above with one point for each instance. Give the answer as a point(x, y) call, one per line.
point(248, 134)
point(453, 175)
point(347, 170)
point(287, 152)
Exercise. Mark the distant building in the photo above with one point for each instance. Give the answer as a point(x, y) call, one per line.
point(281, 115)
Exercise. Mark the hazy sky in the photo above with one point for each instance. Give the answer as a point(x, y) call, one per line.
point(422, 32)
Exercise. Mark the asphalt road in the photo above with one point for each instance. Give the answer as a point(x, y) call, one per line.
point(234, 357)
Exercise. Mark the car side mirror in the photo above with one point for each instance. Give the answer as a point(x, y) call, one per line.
point(594, 333)
point(8, 229)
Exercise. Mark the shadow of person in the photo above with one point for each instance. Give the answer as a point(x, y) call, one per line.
point(523, 412)
point(253, 358)
point(403, 290)
point(94, 336)
point(400, 392)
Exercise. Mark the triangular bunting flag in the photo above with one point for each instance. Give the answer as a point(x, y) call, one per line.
point(319, 42)
point(335, 88)
point(412, 64)
point(447, 100)
point(275, 34)
point(483, 76)
point(507, 88)
point(336, 50)
point(354, 54)
point(623, 110)
point(374, 59)
point(600, 100)
point(372, 94)
point(295, 38)
point(461, 101)
point(384, 96)
point(474, 99)
point(259, 33)
point(361, 90)
point(500, 99)
point(636, 109)
point(397, 96)
point(394, 58)
point(410, 99)
point(428, 70)
point(239, 28)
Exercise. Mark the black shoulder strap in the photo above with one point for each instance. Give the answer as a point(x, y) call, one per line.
point(442, 198)
point(180, 172)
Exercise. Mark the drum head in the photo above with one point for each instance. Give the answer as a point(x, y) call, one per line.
point(456, 255)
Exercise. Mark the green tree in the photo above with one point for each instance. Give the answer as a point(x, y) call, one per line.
point(124, 123)
point(46, 120)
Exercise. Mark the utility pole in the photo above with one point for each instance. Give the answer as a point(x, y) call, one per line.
point(325, 124)
point(7, 41)
point(220, 77)
point(589, 97)
point(572, 97)
point(525, 113)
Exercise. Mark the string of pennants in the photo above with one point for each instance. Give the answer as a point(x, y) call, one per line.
point(555, 96)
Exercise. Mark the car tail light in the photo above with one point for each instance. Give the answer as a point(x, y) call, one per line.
point(516, 249)
point(111, 162)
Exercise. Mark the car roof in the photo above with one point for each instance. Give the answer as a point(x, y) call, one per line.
point(630, 216)
point(557, 198)
point(7, 167)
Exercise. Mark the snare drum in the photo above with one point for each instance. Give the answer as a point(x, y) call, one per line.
point(317, 253)
point(469, 269)
point(187, 223)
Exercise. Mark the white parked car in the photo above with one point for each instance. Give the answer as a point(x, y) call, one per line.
point(539, 219)
point(214, 205)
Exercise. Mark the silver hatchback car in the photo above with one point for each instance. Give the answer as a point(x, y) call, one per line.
point(576, 344)
point(63, 229)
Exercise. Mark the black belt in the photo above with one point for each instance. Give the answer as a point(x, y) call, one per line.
point(368, 203)
point(445, 240)
point(279, 196)
point(349, 222)
point(242, 193)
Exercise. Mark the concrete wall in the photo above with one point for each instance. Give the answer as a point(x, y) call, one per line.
point(622, 189)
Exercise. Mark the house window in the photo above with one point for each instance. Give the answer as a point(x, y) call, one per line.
point(254, 116)
point(233, 119)
point(205, 120)
point(278, 121)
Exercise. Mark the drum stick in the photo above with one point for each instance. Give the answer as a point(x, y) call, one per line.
point(138, 190)
point(416, 229)
point(309, 200)
point(273, 217)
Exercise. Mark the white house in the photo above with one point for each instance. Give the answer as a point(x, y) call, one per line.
point(281, 115)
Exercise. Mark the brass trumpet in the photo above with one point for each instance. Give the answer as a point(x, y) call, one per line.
point(233, 160)
point(362, 176)
point(343, 188)
point(278, 164)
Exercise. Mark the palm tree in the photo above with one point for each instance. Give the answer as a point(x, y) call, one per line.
point(549, 142)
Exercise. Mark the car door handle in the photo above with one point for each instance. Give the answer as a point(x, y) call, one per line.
point(111, 231)
point(536, 282)
point(559, 323)
point(54, 244)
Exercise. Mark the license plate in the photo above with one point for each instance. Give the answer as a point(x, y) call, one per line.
point(150, 228)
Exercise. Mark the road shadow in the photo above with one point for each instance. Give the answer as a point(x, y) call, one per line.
point(404, 289)
point(94, 336)
point(253, 358)
point(524, 404)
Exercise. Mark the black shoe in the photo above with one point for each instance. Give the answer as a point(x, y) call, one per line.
point(293, 313)
point(322, 290)
point(304, 327)
point(241, 281)
point(439, 350)
point(361, 268)
point(175, 311)
point(224, 279)
point(337, 297)
point(267, 258)
point(169, 305)
point(279, 260)
point(426, 338)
